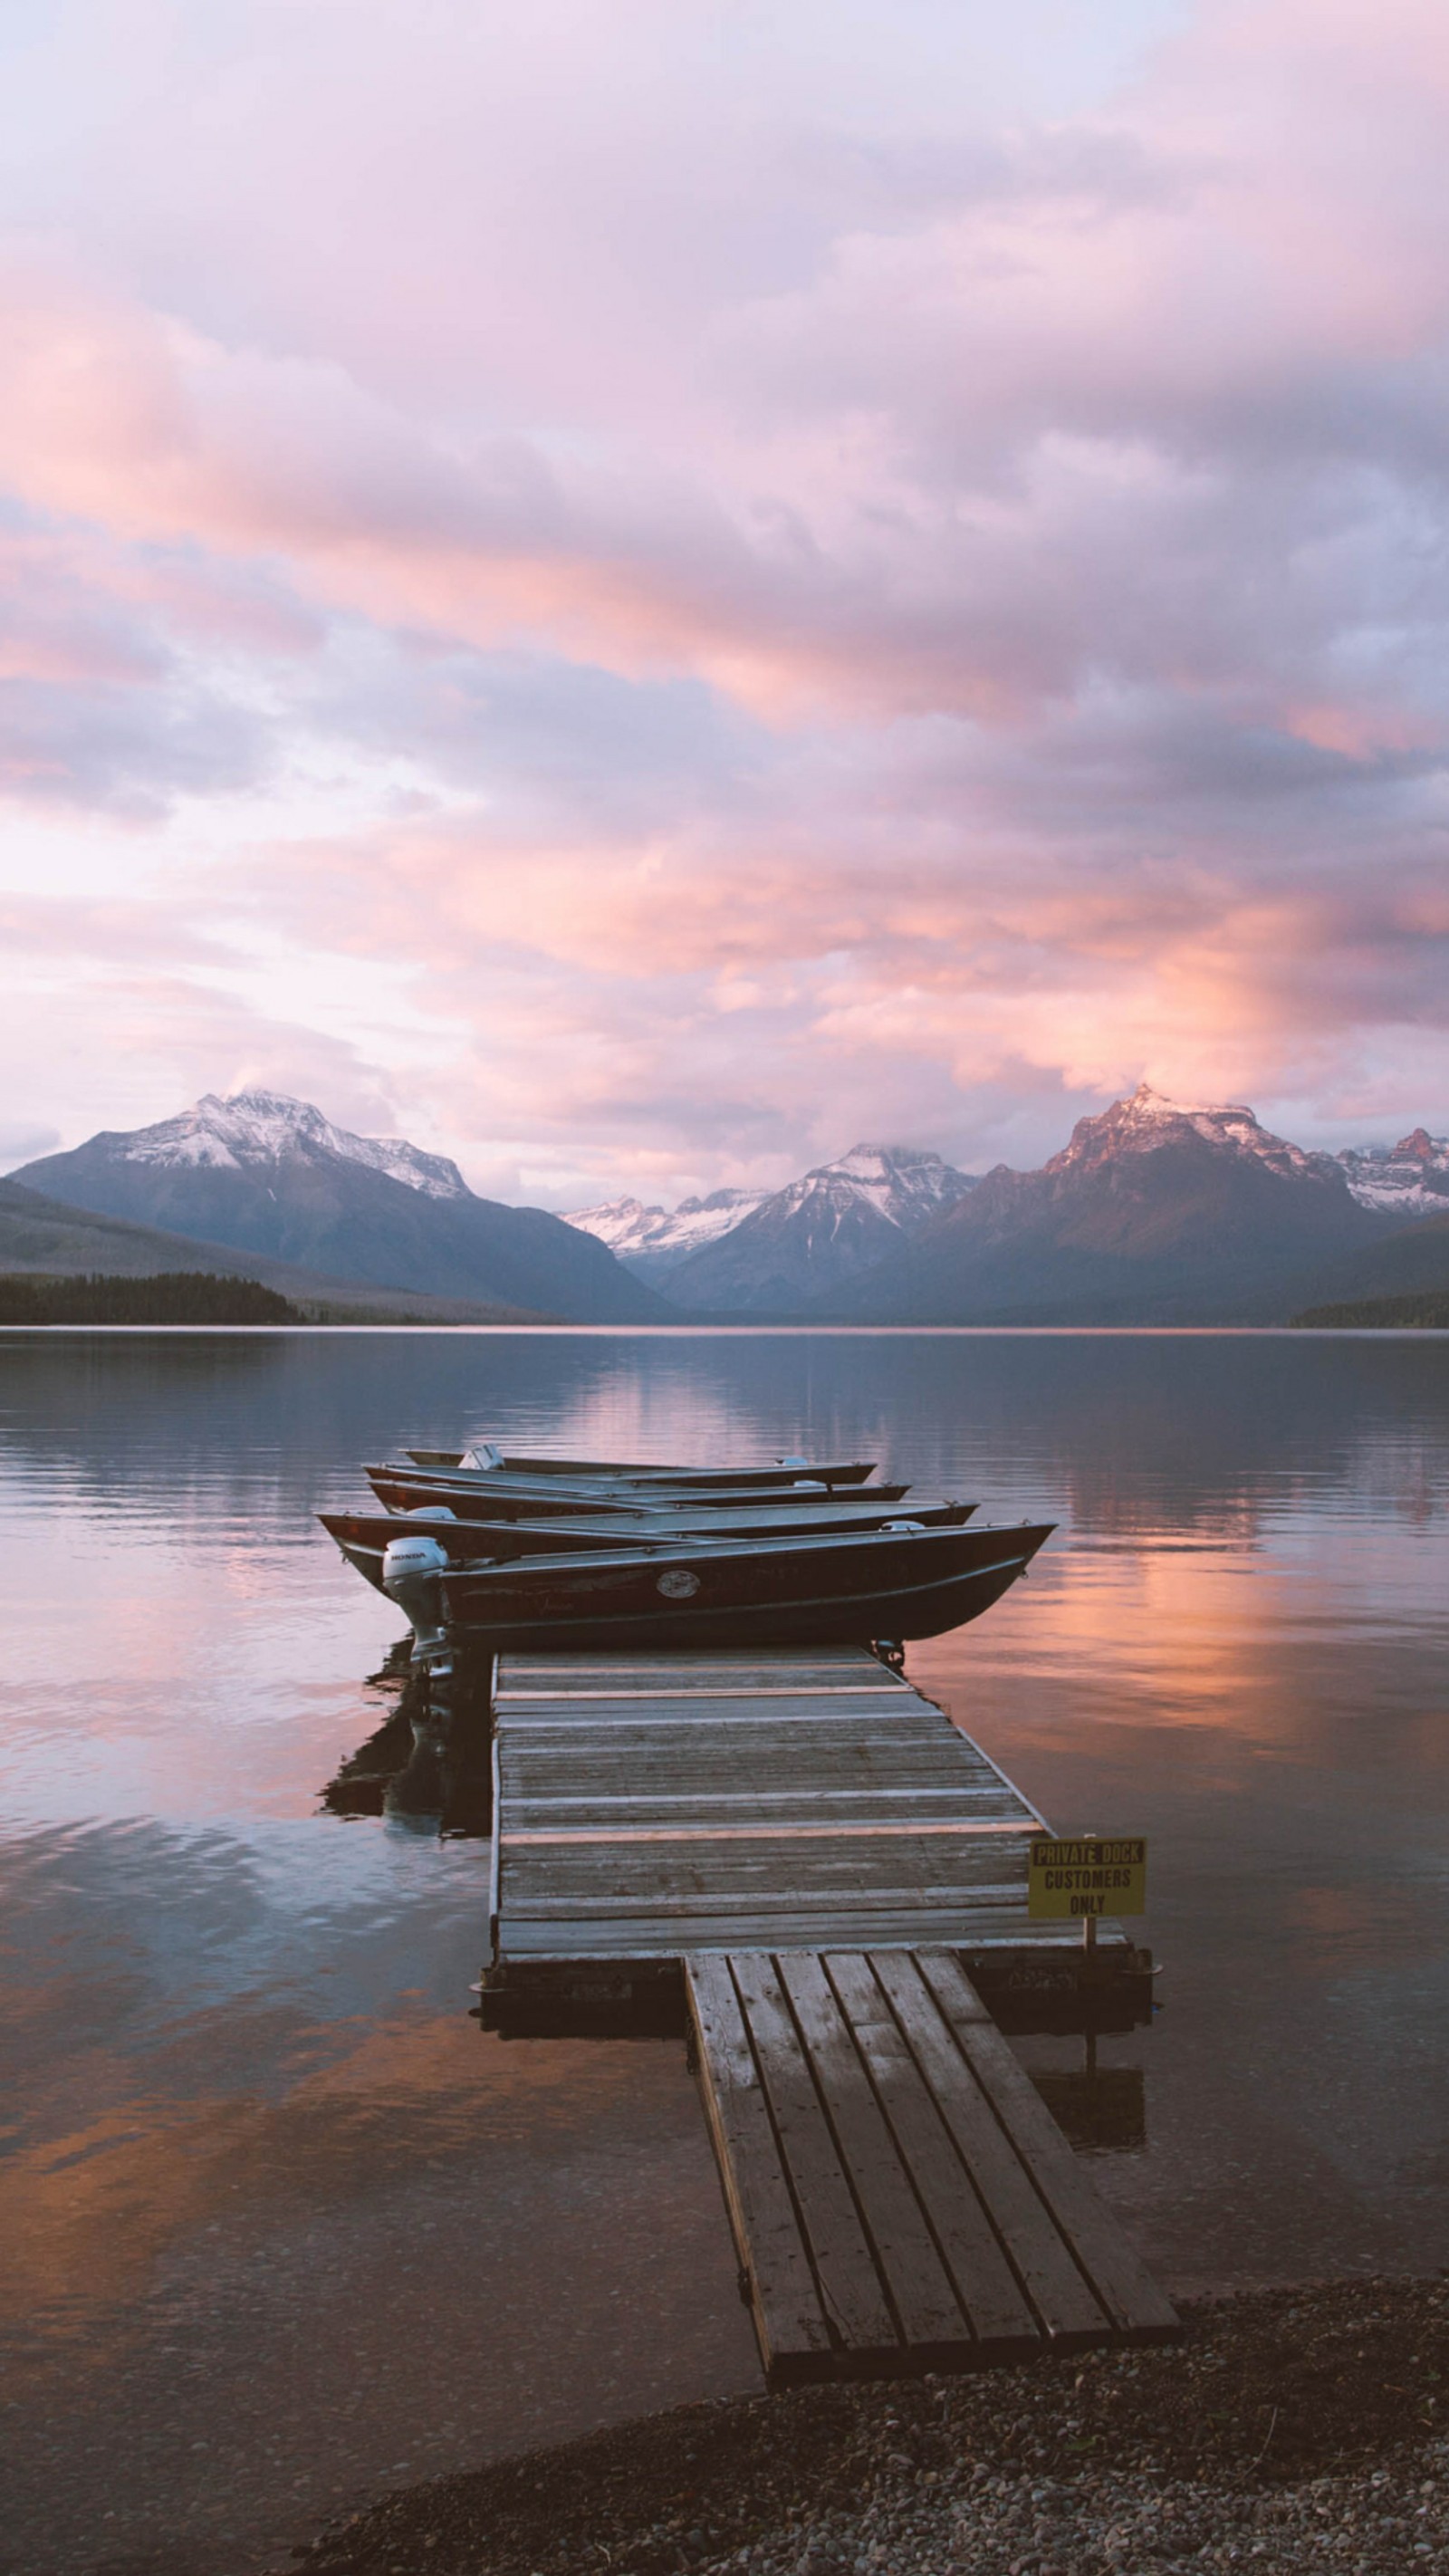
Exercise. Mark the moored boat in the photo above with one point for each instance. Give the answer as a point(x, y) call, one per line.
point(365, 1536)
point(483, 1459)
point(513, 1497)
point(829, 1587)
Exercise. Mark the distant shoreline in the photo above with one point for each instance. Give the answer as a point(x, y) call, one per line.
point(775, 1332)
point(1426, 1312)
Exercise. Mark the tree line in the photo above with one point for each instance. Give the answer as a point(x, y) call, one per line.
point(1428, 1312)
point(167, 1297)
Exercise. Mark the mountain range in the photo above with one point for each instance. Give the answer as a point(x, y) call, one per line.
point(1406, 1180)
point(267, 1176)
point(1156, 1211)
point(757, 1252)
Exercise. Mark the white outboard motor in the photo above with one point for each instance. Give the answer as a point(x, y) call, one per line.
point(410, 1571)
point(483, 1456)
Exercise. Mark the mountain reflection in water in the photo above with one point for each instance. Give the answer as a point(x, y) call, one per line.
point(285, 2228)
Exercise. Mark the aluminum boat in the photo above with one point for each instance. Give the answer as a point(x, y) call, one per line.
point(364, 1537)
point(486, 1460)
point(824, 1588)
point(496, 1496)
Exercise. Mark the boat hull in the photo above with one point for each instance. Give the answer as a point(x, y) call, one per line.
point(635, 1471)
point(362, 1536)
point(495, 1498)
point(837, 1592)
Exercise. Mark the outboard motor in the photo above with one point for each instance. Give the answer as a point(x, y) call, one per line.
point(410, 1571)
point(483, 1456)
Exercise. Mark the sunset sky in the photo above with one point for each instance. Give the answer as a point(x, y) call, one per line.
point(636, 591)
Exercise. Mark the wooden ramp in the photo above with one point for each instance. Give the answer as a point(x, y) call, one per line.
point(901, 2198)
point(651, 1805)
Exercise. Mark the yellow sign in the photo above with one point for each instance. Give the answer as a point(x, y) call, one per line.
point(1095, 1874)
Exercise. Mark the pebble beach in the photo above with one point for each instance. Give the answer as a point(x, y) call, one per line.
point(1290, 2429)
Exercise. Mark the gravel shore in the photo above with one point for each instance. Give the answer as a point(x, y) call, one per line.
point(1290, 2429)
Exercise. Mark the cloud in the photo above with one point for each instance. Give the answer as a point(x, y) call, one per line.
point(22, 1143)
point(753, 577)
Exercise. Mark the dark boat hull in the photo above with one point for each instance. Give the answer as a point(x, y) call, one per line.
point(796, 1592)
point(637, 1471)
point(495, 1498)
point(362, 1536)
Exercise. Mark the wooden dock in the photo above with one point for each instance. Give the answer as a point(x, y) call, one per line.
point(651, 1805)
point(901, 2198)
point(820, 1847)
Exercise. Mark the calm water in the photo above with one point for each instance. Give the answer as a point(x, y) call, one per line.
point(282, 2227)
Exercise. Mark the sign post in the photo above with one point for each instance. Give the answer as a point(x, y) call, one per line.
point(1077, 1878)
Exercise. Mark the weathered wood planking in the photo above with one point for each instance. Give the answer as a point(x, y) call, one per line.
point(624, 1937)
point(900, 2197)
point(649, 1805)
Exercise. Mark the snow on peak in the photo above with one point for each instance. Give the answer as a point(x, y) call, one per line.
point(1410, 1179)
point(1148, 1103)
point(623, 1224)
point(657, 1238)
point(1149, 1119)
point(704, 1220)
point(901, 1183)
point(251, 1127)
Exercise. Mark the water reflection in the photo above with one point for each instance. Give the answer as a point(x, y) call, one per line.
point(428, 1762)
point(1103, 2109)
point(257, 2157)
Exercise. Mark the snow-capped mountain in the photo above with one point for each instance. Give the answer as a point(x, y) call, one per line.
point(266, 1174)
point(256, 1127)
point(46, 1238)
point(1156, 1211)
point(1407, 1180)
point(651, 1241)
point(902, 1183)
point(819, 1233)
point(1148, 1121)
point(624, 1224)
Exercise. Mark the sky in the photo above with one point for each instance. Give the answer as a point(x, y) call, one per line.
point(638, 591)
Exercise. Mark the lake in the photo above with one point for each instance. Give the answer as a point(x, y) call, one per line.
point(284, 2227)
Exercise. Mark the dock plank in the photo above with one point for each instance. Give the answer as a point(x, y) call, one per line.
point(789, 2317)
point(922, 2220)
point(740, 1790)
point(1119, 2277)
point(876, 1927)
point(1071, 2315)
point(850, 2289)
point(991, 2297)
point(905, 2255)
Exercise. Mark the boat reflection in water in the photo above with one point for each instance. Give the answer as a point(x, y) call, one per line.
point(428, 1765)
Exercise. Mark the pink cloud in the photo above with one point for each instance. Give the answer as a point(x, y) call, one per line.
point(832, 592)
